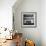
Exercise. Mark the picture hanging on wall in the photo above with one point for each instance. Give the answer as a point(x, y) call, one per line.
point(29, 19)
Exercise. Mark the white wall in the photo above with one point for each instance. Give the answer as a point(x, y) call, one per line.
point(6, 13)
point(43, 22)
point(28, 6)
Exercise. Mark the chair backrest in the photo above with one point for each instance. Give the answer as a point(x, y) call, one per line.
point(18, 39)
point(29, 43)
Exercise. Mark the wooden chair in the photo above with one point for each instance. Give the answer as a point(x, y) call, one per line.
point(29, 43)
point(18, 39)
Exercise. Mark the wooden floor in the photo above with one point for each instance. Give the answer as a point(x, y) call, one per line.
point(9, 43)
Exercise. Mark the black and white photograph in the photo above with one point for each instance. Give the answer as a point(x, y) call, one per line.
point(29, 19)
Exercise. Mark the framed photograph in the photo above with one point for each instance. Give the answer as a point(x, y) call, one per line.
point(29, 19)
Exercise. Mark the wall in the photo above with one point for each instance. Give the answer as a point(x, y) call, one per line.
point(6, 13)
point(28, 6)
point(43, 22)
